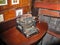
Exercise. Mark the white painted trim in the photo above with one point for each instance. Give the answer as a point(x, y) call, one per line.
point(15, 3)
point(4, 4)
point(19, 12)
point(1, 18)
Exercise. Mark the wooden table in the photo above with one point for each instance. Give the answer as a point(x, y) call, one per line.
point(14, 37)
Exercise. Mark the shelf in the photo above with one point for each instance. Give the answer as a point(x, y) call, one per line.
point(47, 5)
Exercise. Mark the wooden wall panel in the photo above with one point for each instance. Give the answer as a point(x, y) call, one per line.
point(25, 2)
point(52, 1)
point(6, 6)
point(49, 1)
point(50, 7)
point(9, 10)
point(26, 9)
point(9, 14)
point(1, 8)
point(49, 12)
point(21, 4)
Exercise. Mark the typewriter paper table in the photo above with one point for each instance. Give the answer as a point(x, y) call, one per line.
point(14, 37)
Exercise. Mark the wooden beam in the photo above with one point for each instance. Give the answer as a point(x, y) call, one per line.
point(47, 5)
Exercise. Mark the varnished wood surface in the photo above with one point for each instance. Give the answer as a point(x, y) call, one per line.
point(22, 3)
point(47, 5)
point(50, 13)
point(4, 26)
point(14, 37)
point(9, 10)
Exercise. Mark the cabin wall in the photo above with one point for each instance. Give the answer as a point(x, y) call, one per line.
point(9, 10)
point(50, 16)
point(9, 13)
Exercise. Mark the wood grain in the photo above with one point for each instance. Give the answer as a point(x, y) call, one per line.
point(14, 37)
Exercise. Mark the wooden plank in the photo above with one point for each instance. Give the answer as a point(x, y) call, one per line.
point(47, 5)
point(49, 12)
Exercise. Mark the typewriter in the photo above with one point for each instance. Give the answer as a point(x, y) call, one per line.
point(27, 25)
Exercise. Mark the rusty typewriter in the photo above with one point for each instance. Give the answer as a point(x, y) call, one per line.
point(27, 25)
